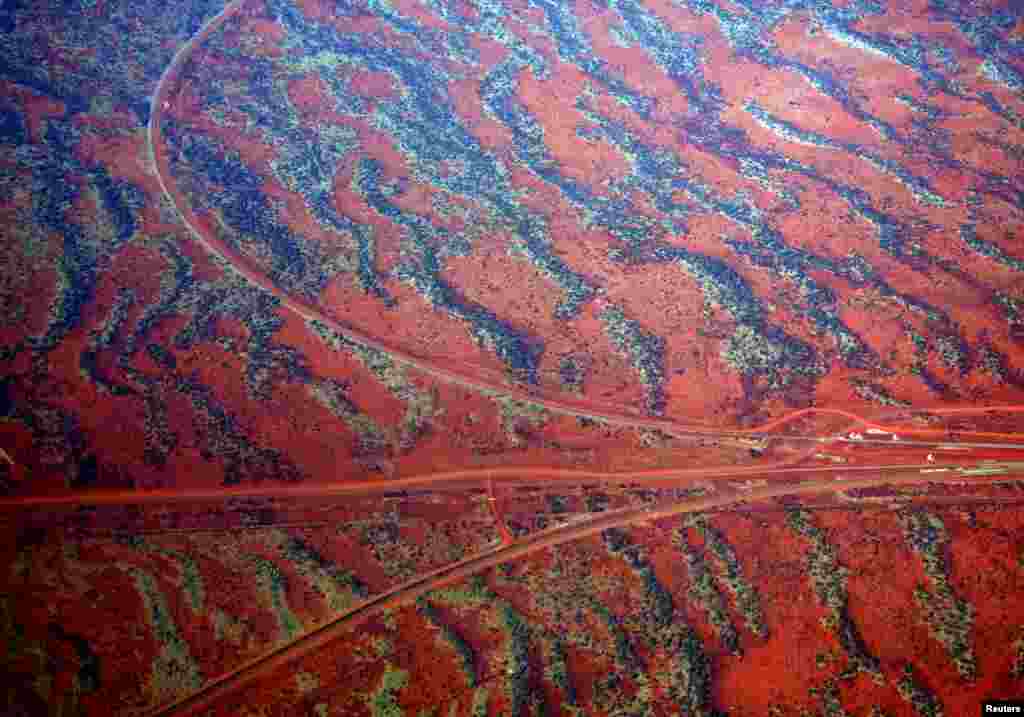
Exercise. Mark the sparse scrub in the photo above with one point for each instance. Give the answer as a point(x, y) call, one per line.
point(704, 592)
point(480, 697)
point(557, 670)
point(924, 702)
point(274, 583)
point(829, 580)
point(950, 619)
point(625, 657)
point(747, 600)
point(688, 681)
point(174, 671)
point(339, 587)
point(190, 578)
point(467, 660)
point(476, 592)
point(830, 703)
point(876, 394)
point(645, 351)
point(1018, 658)
point(384, 701)
point(517, 658)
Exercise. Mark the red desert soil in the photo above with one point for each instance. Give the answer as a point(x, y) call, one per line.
point(380, 335)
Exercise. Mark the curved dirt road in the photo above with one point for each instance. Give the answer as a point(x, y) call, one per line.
point(253, 670)
point(225, 684)
point(159, 106)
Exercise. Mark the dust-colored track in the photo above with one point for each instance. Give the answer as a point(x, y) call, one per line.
point(456, 479)
point(222, 686)
point(510, 549)
point(535, 395)
point(489, 477)
point(534, 474)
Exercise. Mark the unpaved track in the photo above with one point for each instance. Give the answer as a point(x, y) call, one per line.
point(223, 686)
point(459, 480)
point(159, 106)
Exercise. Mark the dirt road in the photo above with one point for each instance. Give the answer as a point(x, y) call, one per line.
point(222, 686)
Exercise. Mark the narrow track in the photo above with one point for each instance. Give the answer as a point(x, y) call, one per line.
point(509, 548)
point(224, 685)
point(159, 105)
point(461, 479)
point(489, 477)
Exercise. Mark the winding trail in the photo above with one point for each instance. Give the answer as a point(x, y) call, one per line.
point(508, 548)
point(553, 401)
